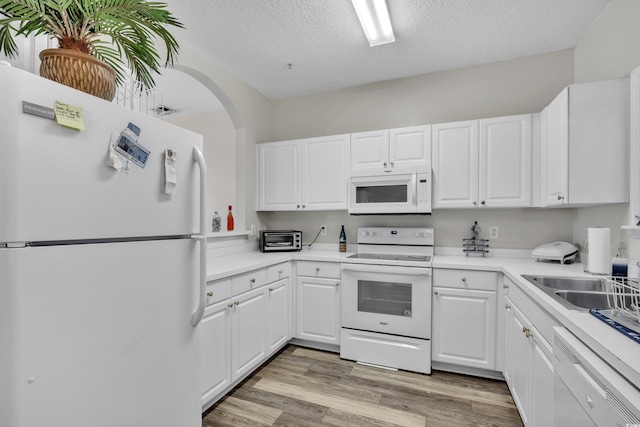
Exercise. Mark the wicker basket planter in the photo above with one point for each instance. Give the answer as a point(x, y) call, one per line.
point(80, 71)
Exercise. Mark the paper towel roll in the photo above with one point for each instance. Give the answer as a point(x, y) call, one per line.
point(598, 243)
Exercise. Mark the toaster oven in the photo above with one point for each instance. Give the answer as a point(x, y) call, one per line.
point(280, 240)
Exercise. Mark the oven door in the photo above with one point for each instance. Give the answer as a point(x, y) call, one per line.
point(387, 299)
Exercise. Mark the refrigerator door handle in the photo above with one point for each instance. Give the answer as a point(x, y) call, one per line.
point(201, 236)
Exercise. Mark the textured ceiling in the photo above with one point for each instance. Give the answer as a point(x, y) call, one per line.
point(257, 39)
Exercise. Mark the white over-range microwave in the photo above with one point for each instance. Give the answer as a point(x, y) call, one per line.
point(390, 194)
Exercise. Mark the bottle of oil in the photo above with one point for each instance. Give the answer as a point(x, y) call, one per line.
point(230, 220)
point(343, 240)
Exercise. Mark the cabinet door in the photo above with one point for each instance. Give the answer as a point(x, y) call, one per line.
point(556, 150)
point(318, 303)
point(248, 332)
point(278, 183)
point(279, 314)
point(464, 327)
point(215, 349)
point(369, 152)
point(518, 360)
point(541, 382)
point(505, 161)
point(410, 148)
point(324, 172)
point(455, 164)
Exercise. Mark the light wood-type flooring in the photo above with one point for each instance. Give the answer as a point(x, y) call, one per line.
point(301, 387)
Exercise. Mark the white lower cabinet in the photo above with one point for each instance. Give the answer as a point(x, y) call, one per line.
point(318, 302)
point(279, 314)
point(240, 332)
point(464, 318)
point(215, 354)
point(528, 369)
point(248, 332)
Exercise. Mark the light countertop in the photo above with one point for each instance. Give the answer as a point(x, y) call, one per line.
point(619, 351)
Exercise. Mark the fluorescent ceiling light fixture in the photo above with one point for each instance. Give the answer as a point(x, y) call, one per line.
point(374, 18)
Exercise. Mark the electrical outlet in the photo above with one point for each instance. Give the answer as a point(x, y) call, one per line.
point(324, 230)
point(253, 229)
point(494, 232)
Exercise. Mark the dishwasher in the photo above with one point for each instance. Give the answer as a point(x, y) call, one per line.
point(587, 391)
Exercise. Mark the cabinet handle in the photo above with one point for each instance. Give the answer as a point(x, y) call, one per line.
point(337, 283)
point(385, 164)
point(252, 281)
point(304, 206)
point(505, 286)
point(209, 294)
point(507, 306)
point(317, 269)
point(464, 279)
point(435, 292)
point(236, 303)
point(230, 305)
point(475, 203)
point(392, 164)
point(279, 271)
point(298, 206)
point(528, 333)
point(482, 203)
point(270, 289)
point(560, 197)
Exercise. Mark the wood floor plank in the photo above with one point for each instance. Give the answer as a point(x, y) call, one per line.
point(259, 414)
point(427, 385)
point(322, 383)
point(301, 387)
point(339, 418)
point(338, 402)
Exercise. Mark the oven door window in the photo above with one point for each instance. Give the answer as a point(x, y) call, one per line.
point(384, 298)
point(381, 194)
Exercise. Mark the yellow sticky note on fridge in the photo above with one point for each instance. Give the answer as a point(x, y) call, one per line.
point(68, 115)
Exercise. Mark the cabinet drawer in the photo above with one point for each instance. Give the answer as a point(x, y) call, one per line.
point(278, 271)
point(247, 281)
point(465, 279)
point(318, 269)
point(218, 290)
point(538, 317)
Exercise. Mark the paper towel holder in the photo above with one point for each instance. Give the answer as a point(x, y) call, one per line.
point(563, 252)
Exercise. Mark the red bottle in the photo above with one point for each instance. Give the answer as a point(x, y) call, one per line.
point(230, 220)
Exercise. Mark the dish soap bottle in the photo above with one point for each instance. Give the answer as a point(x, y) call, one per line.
point(215, 222)
point(343, 240)
point(230, 220)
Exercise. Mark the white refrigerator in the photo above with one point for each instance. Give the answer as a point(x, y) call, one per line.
point(101, 272)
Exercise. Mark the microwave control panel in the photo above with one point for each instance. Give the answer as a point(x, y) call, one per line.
point(423, 188)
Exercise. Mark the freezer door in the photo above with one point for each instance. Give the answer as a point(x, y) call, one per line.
point(99, 335)
point(55, 183)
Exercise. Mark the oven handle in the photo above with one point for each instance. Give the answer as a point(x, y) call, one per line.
point(390, 269)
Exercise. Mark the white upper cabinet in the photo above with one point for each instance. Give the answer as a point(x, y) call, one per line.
point(483, 163)
point(278, 183)
point(389, 151)
point(585, 145)
point(307, 174)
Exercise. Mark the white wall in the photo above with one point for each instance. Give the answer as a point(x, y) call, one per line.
point(219, 138)
point(517, 86)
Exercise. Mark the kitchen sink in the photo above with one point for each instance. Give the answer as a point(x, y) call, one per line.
point(575, 293)
point(590, 284)
point(584, 299)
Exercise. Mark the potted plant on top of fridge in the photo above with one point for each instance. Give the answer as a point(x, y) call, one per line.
point(97, 39)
